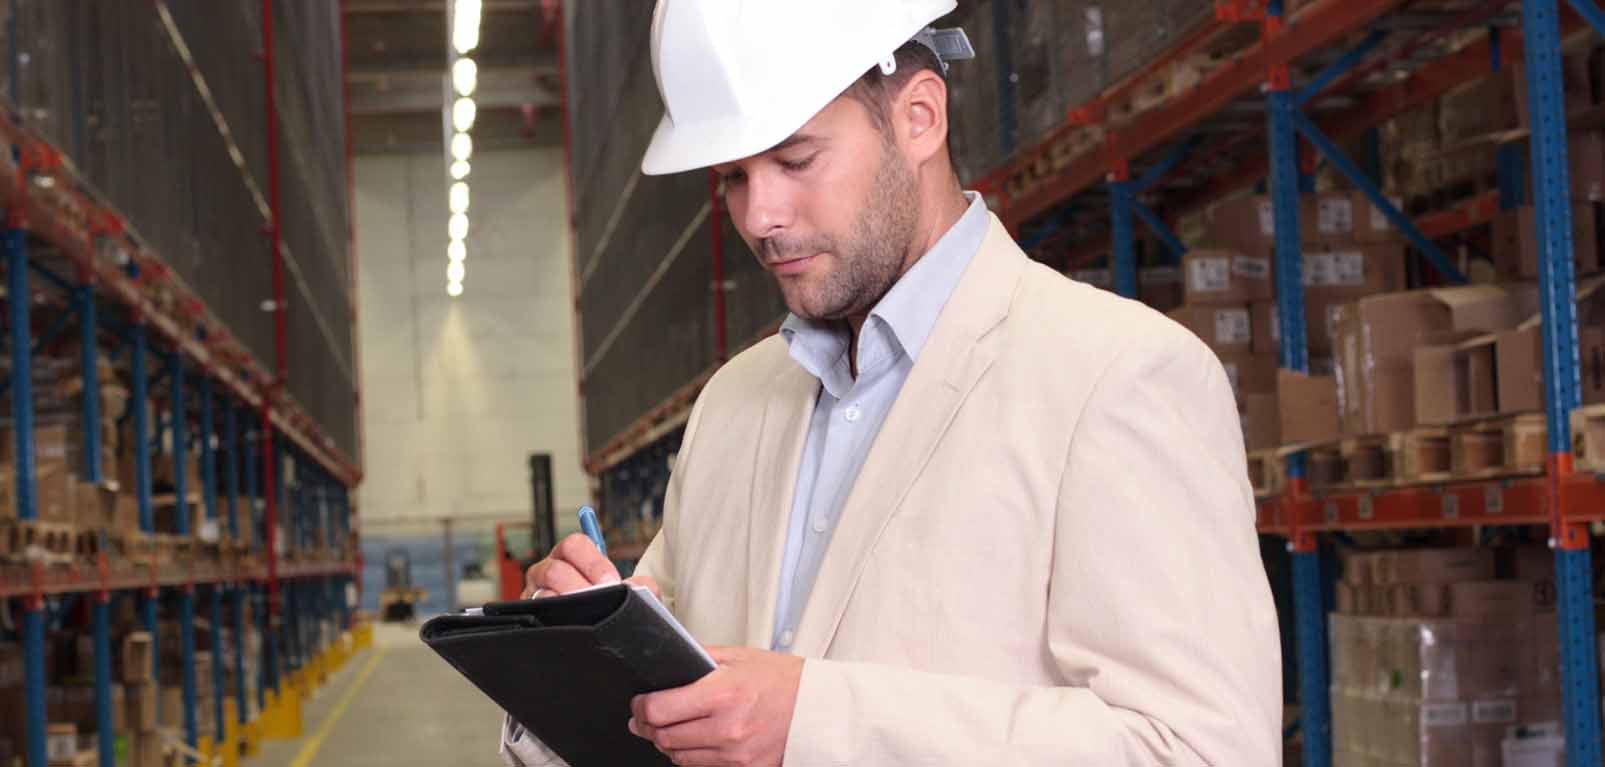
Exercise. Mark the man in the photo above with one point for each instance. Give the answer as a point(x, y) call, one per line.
point(961, 510)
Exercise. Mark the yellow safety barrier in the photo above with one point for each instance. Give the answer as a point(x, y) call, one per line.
point(229, 749)
point(283, 719)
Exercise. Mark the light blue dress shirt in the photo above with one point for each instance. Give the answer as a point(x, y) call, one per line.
point(848, 412)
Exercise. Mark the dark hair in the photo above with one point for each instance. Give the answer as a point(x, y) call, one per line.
point(876, 91)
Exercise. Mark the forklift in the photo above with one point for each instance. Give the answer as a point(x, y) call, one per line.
point(399, 601)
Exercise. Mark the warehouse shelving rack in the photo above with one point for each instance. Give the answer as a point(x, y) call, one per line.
point(1563, 500)
point(97, 272)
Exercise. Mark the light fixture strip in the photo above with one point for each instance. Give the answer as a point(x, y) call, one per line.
point(458, 114)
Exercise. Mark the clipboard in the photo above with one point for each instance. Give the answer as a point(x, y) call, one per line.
point(566, 667)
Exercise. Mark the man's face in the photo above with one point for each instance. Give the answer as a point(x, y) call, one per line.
point(830, 212)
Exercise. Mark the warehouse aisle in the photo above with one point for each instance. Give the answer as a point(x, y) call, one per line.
point(395, 705)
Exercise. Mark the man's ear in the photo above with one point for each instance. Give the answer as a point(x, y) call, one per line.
point(920, 116)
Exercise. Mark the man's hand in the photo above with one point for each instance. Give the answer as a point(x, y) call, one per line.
point(737, 716)
point(575, 563)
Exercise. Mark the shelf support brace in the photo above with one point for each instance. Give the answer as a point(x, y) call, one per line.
point(1591, 12)
point(1123, 236)
point(1400, 221)
point(1338, 68)
point(1173, 244)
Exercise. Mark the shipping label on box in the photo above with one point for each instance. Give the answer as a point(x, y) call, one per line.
point(1209, 275)
point(1318, 269)
point(1348, 268)
point(1267, 218)
point(1454, 714)
point(1232, 327)
point(1252, 267)
point(1335, 216)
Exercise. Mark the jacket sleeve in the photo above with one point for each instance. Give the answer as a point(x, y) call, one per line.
point(1160, 620)
point(520, 748)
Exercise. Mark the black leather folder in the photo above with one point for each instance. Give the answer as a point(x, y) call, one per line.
point(566, 667)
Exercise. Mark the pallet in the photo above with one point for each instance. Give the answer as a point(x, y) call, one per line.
point(1482, 448)
point(160, 549)
point(1267, 472)
point(54, 542)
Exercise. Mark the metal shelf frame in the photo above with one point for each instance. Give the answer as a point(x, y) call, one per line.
point(120, 293)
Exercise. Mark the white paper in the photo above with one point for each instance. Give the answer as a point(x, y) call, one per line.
point(1232, 326)
point(1495, 711)
point(1252, 268)
point(1209, 275)
point(1348, 268)
point(1444, 714)
point(1318, 269)
point(1335, 215)
point(1267, 219)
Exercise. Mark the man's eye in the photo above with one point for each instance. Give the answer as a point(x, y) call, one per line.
point(796, 165)
point(734, 177)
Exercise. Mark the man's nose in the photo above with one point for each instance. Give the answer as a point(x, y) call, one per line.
point(769, 209)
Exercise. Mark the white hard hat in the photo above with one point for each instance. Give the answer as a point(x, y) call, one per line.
point(739, 76)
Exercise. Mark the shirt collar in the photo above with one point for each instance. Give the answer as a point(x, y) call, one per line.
point(910, 309)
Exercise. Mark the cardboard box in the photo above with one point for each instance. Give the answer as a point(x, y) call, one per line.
point(1519, 357)
point(1348, 271)
point(145, 750)
point(1160, 287)
point(1327, 217)
point(1376, 339)
point(1478, 108)
point(1261, 421)
point(54, 482)
point(1250, 374)
point(1455, 379)
point(138, 657)
point(1307, 407)
point(1491, 599)
point(144, 704)
point(61, 742)
point(1591, 350)
point(1225, 277)
point(1515, 241)
point(1317, 328)
point(1245, 224)
point(1445, 565)
point(1226, 329)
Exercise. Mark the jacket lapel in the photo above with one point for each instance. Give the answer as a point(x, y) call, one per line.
point(781, 436)
point(959, 351)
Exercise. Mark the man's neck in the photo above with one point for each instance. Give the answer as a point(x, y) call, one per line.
point(940, 216)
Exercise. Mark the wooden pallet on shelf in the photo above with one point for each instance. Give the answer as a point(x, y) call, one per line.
point(1474, 449)
point(50, 542)
point(1267, 472)
point(1588, 438)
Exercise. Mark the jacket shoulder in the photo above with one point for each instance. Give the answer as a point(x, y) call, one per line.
point(1090, 321)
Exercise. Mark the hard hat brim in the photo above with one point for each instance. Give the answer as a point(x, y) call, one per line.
point(677, 149)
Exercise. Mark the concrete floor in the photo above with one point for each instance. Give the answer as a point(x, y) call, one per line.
point(411, 709)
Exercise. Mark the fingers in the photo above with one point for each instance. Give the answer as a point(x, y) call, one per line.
point(579, 552)
point(575, 564)
point(671, 707)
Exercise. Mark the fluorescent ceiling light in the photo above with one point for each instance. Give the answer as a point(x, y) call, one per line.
point(465, 76)
point(460, 169)
point(456, 251)
point(462, 147)
point(462, 114)
point(454, 289)
point(459, 197)
point(455, 271)
point(465, 25)
point(458, 227)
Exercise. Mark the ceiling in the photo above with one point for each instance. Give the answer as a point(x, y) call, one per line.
point(397, 73)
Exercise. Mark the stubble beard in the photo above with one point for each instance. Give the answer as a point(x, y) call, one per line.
point(868, 262)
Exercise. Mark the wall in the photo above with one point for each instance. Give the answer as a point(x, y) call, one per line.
point(458, 392)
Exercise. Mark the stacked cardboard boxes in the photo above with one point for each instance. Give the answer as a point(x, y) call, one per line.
point(1434, 660)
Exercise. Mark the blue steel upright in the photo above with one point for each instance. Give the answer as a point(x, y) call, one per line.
point(1558, 300)
point(106, 737)
point(33, 613)
point(1309, 610)
point(141, 437)
point(1123, 238)
point(186, 596)
point(219, 679)
point(231, 474)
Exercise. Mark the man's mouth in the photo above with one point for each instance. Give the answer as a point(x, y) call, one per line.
point(792, 265)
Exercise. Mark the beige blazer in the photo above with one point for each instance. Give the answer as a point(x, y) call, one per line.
point(1049, 557)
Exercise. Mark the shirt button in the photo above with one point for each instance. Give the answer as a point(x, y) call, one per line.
point(851, 414)
point(786, 638)
point(819, 524)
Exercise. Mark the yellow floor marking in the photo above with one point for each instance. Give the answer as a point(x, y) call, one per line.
point(310, 750)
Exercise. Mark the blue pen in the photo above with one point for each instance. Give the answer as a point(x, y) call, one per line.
point(592, 528)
